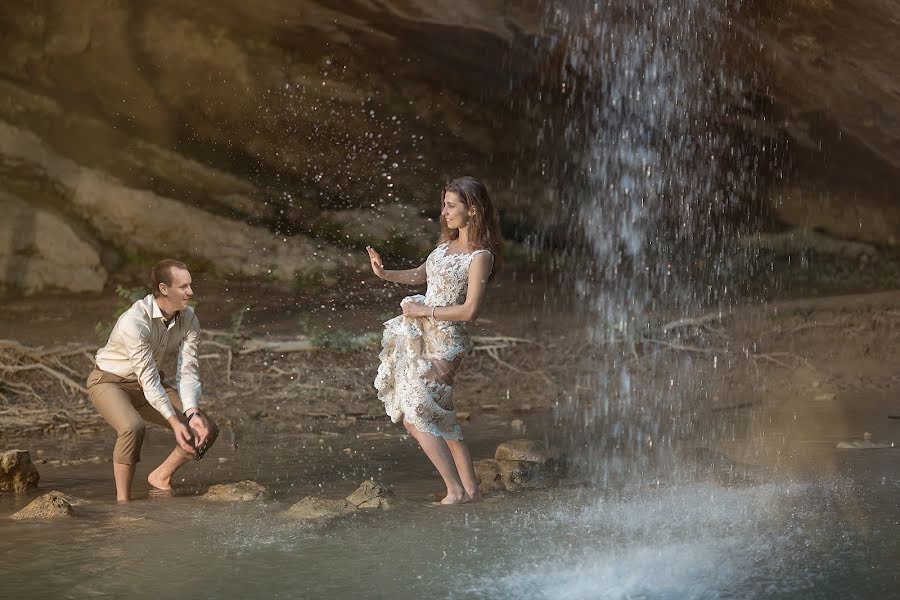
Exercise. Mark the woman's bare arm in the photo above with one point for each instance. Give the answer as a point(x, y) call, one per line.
point(415, 276)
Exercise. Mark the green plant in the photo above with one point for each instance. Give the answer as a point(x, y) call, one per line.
point(305, 281)
point(237, 320)
point(338, 340)
point(127, 297)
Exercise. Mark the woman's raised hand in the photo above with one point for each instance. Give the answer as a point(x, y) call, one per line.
point(375, 260)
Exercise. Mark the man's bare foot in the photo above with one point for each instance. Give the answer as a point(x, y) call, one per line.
point(475, 496)
point(160, 483)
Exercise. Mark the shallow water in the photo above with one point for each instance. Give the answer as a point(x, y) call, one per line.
point(824, 531)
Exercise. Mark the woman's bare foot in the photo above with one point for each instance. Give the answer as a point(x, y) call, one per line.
point(454, 498)
point(159, 482)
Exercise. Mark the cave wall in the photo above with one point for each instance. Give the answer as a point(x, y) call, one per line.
point(276, 130)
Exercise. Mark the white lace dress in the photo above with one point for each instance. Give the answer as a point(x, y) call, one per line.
point(420, 355)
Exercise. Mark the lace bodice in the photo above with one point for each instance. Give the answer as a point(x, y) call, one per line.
point(448, 276)
point(420, 355)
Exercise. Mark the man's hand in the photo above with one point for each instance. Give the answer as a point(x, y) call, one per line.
point(199, 425)
point(183, 436)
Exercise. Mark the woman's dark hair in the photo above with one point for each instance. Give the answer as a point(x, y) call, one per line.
point(484, 226)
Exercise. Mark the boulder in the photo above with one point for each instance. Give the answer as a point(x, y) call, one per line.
point(533, 451)
point(314, 509)
point(242, 491)
point(52, 505)
point(487, 473)
point(526, 475)
point(17, 472)
point(371, 495)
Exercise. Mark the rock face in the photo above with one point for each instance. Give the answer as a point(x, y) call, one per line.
point(39, 250)
point(17, 472)
point(52, 505)
point(242, 491)
point(315, 509)
point(141, 221)
point(304, 129)
point(276, 135)
point(830, 70)
point(371, 495)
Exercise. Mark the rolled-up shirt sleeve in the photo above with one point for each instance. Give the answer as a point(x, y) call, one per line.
point(187, 379)
point(136, 338)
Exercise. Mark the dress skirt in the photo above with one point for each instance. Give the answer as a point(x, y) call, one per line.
point(419, 359)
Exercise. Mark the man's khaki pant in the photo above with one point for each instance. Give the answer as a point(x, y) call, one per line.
point(123, 404)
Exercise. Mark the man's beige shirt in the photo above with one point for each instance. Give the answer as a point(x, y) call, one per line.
point(139, 343)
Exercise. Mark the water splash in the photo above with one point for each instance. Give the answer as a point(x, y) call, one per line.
point(646, 152)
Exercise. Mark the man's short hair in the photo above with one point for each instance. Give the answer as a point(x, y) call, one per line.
point(162, 273)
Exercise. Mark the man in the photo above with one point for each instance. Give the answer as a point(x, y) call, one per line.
point(126, 386)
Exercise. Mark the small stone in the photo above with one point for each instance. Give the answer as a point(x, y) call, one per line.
point(17, 472)
point(462, 415)
point(370, 495)
point(517, 424)
point(52, 505)
point(242, 491)
point(312, 508)
point(223, 459)
point(490, 407)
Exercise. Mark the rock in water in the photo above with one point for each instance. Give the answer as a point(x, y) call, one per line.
point(51, 505)
point(17, 472)
point(533, 451)
point(487, 473)
point(371, 495)
point(242, 491)
point(526, 475)
point(312, 508)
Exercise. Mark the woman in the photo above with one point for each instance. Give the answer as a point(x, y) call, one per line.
point(424, 347)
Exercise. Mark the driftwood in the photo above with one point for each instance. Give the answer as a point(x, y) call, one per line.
point(16, 358)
